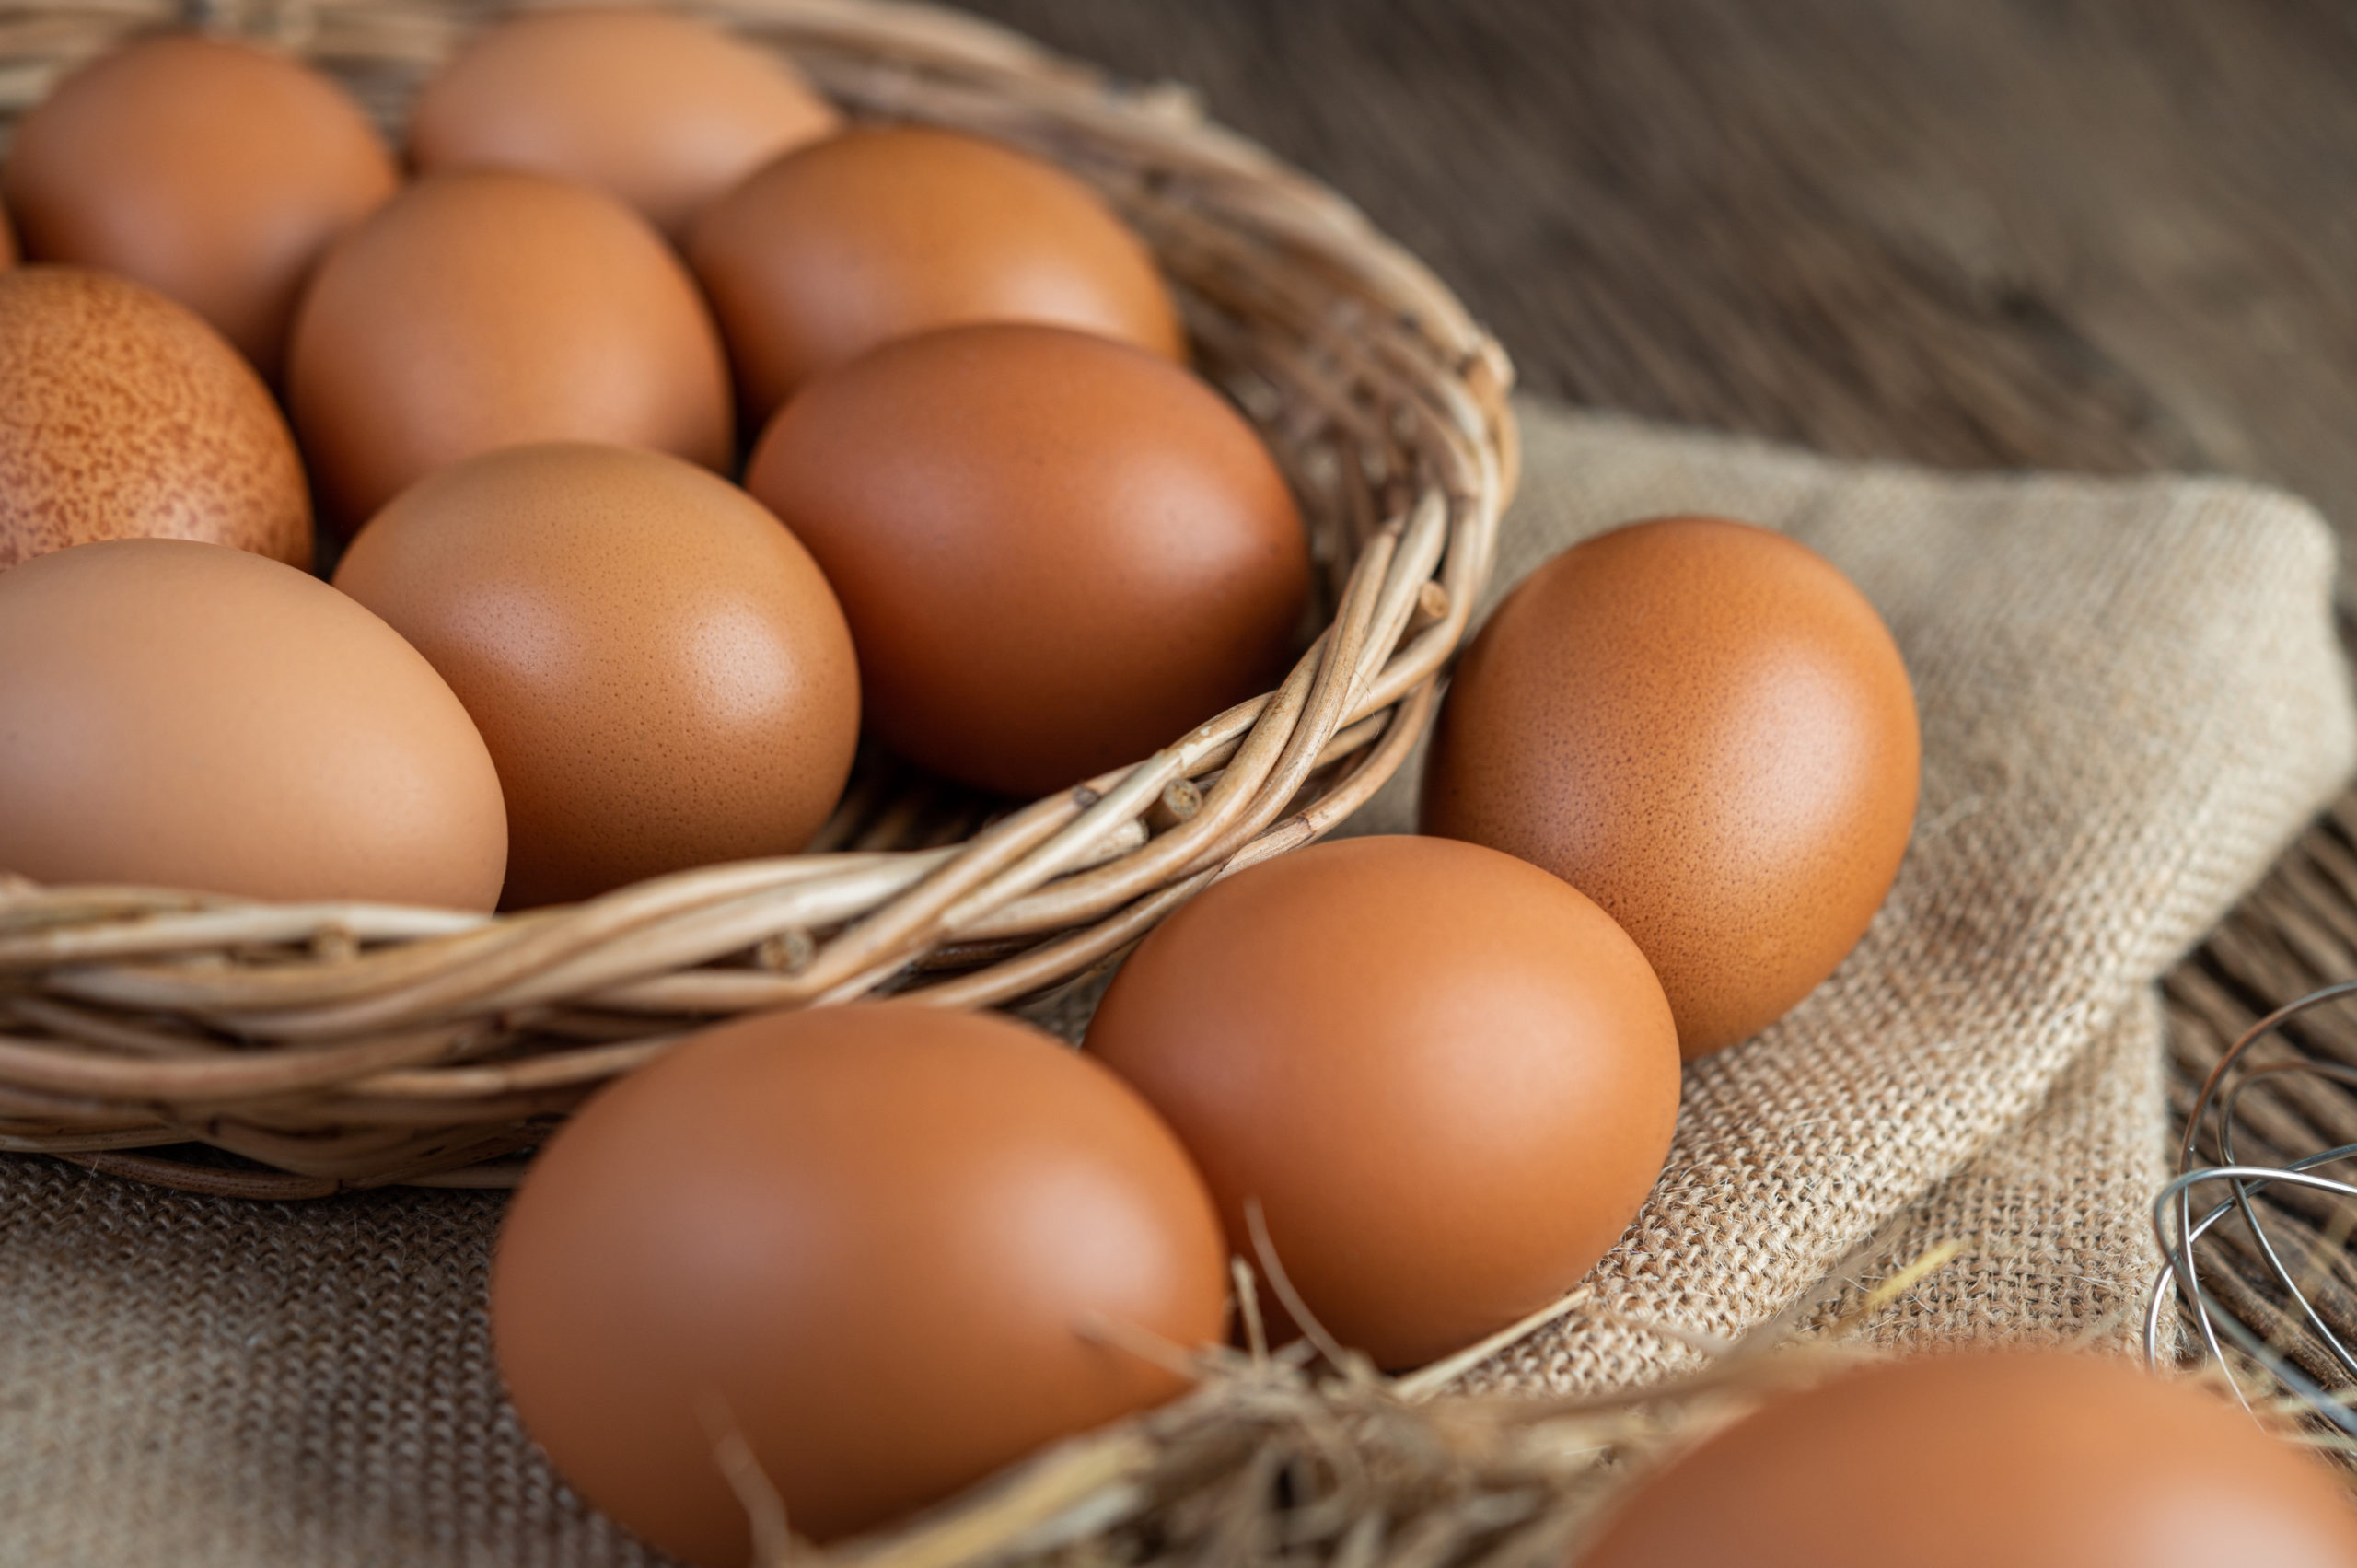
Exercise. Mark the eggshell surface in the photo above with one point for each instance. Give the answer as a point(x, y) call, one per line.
point(2032, 1460)
point(488, 309)
point(188, 715)
point(882, 234)
point(1057, 553)
point(1705, 728)
point(1448, 1079)
point(122, 415)
point(659, 110)
point(662, 675)
point(216, 172)
point(874, 1236)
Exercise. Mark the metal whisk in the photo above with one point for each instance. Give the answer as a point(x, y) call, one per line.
point(2302, 1332)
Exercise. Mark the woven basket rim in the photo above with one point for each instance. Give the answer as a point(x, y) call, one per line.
point(347, 1044)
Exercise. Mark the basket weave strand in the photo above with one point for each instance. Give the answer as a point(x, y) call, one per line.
point(343, 1044)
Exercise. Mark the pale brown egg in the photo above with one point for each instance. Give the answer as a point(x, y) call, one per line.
point(1057, 554)
point(490, 309)
point(1706, 728)
point(662, 675)
point(1976, 1461)
point(122, 415)
point(1448, 1079)
point(187, 716)
point(882, 234)
point(873, 1241)
point(214, 171)
point(663, 110)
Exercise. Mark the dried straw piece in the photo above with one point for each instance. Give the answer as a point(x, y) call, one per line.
point(1306, 1459)
point(346, 1044)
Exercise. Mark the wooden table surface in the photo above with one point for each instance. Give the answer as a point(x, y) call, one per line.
point(2109, 235)
point(2101, 235)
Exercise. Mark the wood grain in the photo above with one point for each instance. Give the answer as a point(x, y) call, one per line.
point(2109, 236)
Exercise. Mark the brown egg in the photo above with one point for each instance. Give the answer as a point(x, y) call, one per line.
point(1706, 728)
point(873, 1240)
point(187, 716)
point(490, 308)
point(213, 171)
point(2028, 1460)
point(877, 235)
point(1057, 554)
point(661, 110)
point(122, 415)
point(1449, 1079)
point(661, 673)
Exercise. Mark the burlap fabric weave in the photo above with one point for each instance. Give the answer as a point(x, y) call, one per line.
point(2132, 698)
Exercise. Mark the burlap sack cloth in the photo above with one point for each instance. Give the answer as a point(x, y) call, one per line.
point(2132, 698)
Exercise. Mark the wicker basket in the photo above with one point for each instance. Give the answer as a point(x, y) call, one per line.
point(348, 1045)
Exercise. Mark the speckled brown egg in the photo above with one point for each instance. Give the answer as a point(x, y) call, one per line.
point(1706, 728)
point(123, 415)
point(1448, 1079)
point(661, 673)
point(214, 171)
point(2028, 1460)
point(187, 716)
point(663, 110)
point(490, 309)
point(1057, 554)
point(882, 234)
point(873, 1240)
